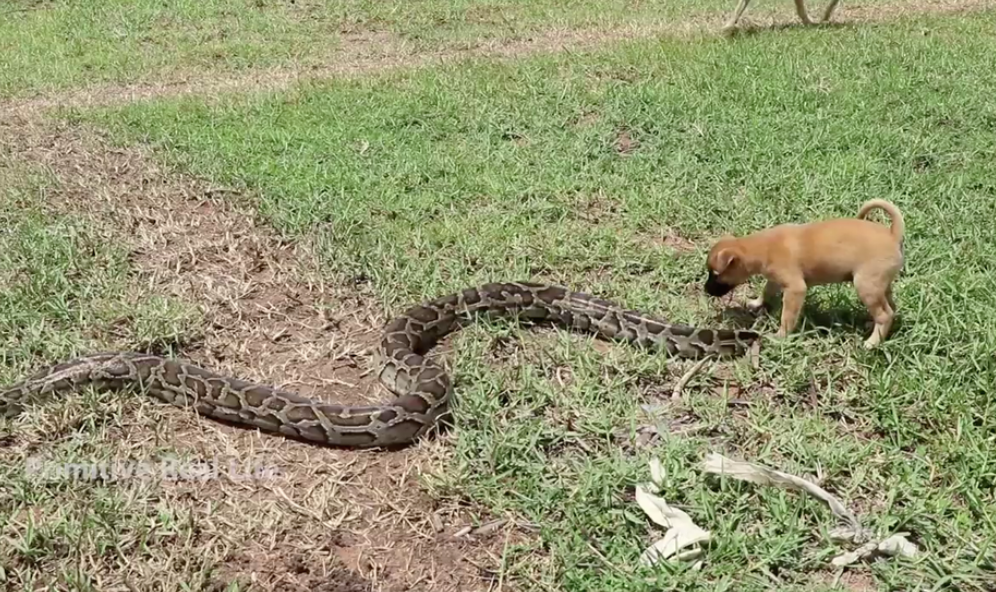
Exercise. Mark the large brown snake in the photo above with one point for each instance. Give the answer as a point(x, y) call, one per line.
point(422, 387)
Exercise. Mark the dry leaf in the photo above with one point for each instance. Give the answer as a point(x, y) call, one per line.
point(852, 532)
point(681, 532)
point(718, 464)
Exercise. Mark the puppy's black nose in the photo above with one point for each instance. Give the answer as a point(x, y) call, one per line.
point(714, 287)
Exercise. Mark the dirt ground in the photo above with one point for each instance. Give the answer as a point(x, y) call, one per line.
point(267, 317)
point(337, 520)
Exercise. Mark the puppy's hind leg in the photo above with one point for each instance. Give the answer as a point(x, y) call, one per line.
point(879, 302)
point(732, 23)
point(829, 10)
point(800, 9)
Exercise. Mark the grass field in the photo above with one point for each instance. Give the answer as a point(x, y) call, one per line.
point(609, 169)
point(81, 44)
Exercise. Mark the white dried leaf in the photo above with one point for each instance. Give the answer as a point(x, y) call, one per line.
point(858, 554)
point(718, 464)
point(681, 533)
point(674, 541)
point(657, 473)
point(659, 511)
point(852, 533)
point(849, 534)
point(898, 544)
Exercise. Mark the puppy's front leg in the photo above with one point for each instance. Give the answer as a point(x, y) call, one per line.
point(792, 300)
point(771, 291)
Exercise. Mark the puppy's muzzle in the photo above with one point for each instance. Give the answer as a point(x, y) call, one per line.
point(715, 287)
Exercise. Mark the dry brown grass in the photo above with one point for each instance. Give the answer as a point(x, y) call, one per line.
point(335, 519)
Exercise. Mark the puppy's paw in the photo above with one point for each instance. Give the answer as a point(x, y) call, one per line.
point(754, 304)
point(872, 342)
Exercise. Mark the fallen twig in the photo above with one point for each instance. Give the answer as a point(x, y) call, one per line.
point(683, 381)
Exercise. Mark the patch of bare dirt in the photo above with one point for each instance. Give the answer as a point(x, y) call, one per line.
point(586, 118)
point(330, 519)
point(595, 208)
point(625, 143)
point(370, 52)
point(670, 240)
point(851, 581)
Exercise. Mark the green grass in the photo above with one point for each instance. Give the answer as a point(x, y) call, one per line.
point(64, 283)
point(458, 21)
point(49, 46)
point(424, 183)
point(63, 289)
point(82, 42)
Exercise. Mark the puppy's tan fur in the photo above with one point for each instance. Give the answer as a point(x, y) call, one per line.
point(793, 257)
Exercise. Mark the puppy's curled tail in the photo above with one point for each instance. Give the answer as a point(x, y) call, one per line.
point(898, 224)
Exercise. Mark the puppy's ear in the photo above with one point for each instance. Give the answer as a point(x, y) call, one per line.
point(724, 259)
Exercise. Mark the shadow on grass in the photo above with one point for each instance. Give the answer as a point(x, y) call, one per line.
point(750, 29)
point(839, 318)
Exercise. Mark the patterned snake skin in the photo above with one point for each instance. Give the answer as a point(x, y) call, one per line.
point(423, 388)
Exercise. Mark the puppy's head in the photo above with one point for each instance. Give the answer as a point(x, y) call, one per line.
point(725, 266)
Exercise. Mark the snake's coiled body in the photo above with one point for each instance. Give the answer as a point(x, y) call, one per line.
point(422, 387)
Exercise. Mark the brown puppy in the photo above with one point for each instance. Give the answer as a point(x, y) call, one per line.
point(793, 257)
